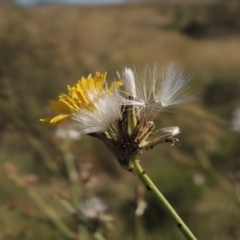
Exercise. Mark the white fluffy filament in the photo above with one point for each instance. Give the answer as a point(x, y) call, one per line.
point(107, 111)
point(154, 90)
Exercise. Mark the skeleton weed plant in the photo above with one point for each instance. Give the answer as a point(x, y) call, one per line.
point(121, 114)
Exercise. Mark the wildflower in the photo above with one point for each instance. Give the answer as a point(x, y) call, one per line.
point(91, 104)
point(121, 119)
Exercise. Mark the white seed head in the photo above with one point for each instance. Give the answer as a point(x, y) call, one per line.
point(129, 81)
point(173, 88)
point(168, 132)
point(153, 90)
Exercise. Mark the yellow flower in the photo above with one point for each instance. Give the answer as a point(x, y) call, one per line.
point(83, 97)
point(122, 119)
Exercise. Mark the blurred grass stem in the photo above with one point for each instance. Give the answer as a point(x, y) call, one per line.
point(48, 211)
point(139, 232)
point(72, 172)
point(216, 176)
point(73, 178)
point(34, 142)
point(162, 201)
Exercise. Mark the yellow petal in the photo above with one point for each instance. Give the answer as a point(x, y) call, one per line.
point(61, 107)
point(45, 120)
point(59, 118)
point(99, 80)
point(115, 85)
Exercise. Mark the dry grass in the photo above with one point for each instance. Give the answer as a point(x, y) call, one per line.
point(44, 49)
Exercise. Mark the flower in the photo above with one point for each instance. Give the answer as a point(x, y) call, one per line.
point(91, 104)
point(154, 90)
point(120, 118)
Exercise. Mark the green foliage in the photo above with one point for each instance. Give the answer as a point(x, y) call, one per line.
point(199, 21)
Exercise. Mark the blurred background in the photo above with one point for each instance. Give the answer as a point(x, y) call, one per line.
point(46, 45)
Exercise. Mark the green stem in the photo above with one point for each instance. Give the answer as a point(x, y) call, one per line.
point(139, 234)
point(162, 201)
point(98, 236)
